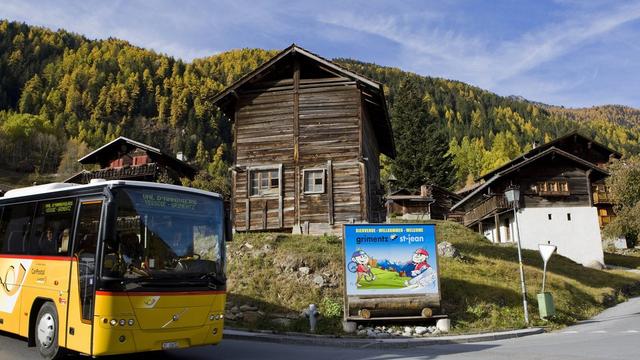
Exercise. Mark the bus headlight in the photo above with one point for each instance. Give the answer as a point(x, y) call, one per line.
point(113, 322)
point(131, 322)
point(123, 322)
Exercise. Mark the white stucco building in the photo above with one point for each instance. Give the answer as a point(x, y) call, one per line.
point(557, 206)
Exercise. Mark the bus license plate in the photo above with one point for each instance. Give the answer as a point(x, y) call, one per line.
point(169, 345)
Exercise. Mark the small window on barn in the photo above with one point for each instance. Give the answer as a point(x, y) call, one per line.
point(568, 216)
point(313, 181)
point(264, 182)
point(549, 216)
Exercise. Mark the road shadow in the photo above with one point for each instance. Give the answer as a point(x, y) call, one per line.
point(240, 349)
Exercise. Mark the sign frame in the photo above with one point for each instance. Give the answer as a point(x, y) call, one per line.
point(416, 305)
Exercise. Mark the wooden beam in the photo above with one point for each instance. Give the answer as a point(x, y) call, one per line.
point(589, 189)
point(281, 198)
point(496, 218)
point(265, 210)
point(296, 137)
point(247, 215)
point(232, 201)
point(330, 190)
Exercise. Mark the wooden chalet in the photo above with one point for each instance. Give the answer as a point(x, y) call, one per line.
point(127, 159)
point(430, 202)
point(587, 149)
point(307, 137)
point(556, 182)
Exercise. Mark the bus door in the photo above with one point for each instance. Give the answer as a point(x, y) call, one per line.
point(83, 271)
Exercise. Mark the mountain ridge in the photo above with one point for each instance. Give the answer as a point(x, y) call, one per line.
point(60, 86)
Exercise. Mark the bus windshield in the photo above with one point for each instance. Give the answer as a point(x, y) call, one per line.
point(165, 238)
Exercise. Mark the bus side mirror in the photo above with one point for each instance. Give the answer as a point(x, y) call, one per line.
point(228, 226)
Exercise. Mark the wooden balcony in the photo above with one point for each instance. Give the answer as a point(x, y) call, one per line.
point(127, 172)
point(601, 197)
point(489, 206)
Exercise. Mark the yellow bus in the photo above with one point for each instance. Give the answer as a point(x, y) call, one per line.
point(112, 267)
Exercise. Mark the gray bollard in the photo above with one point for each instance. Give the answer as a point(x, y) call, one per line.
point(313, 314)
point(444, 325)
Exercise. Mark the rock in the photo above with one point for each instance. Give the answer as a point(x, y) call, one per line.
point(446, 249)
point(318, 280)
point(235, 309)
point(406, 334)
point(444, 325)
point(230, 316)
point(239, 316)
point(408, 329)
point(420, 330)
point(247, 245)
point(371, 333)
point(251, 316)
point(248, 308)
point(305, 270)
point(360, 327)
point(431, 329)
point(621, 243)
point(362, 332)
point(383, 335)
point(349, 326)
point(594, 264)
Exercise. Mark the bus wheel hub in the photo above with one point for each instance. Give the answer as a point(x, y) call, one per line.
point(46, 330)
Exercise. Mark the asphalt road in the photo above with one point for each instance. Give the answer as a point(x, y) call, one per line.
point(614, 334)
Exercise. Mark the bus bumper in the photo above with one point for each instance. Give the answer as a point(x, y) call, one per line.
point(121, 341)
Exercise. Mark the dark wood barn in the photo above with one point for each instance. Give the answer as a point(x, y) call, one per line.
point(307, 137)
point(586, 149)
point(556, 204)
point(124, 158)
point(430, 202)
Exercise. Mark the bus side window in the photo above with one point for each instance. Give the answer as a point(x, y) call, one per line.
point(50, 229)
point(14, 228)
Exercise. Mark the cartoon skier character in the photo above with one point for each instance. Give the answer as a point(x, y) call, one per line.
point(422, 274)
point(362, 268)
point(419, 259)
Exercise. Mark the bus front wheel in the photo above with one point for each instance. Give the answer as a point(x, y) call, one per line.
point(46, 331)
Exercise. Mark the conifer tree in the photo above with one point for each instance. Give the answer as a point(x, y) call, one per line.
point(421, 145)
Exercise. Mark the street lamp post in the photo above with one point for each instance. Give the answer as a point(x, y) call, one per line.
point(513, 197)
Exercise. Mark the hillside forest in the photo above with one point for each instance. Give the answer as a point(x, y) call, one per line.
point(62, 95)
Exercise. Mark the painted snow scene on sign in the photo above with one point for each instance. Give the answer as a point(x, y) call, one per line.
point(398, 259)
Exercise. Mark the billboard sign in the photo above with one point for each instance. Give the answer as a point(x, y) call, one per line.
point(390, 260)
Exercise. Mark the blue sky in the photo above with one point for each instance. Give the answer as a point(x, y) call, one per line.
point(564, 52)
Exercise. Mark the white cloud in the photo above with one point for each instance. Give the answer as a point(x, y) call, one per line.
point(478, 60)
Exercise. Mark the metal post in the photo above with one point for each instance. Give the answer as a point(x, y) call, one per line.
point(522, 283)
point(544, 276)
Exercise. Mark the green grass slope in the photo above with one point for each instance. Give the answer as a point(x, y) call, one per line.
point(481, 292)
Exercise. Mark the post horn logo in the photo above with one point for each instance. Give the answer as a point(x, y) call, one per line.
point(11, 283)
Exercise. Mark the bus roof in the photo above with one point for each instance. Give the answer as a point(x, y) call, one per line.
point(54, 188)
